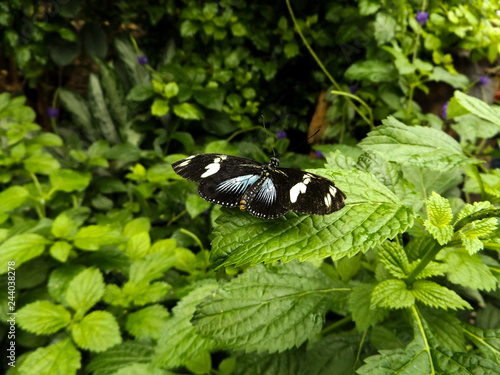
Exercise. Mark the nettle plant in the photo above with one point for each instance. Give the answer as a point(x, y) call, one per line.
point(386, 284)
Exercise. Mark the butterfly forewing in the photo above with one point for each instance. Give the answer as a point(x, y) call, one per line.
point(306, 192)
point(223, 178)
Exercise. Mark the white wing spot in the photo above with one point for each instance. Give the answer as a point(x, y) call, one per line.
point(223, 157)
point(186, 161)
point(333, 191)
point(211, 169)
point(296, 190)
point(328, 200)
point(306, 179)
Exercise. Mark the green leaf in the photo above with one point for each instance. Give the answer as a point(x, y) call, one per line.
point(21, 248)
point(138, 246)
point(196, 205)
point(212, 98)
point(447, 362)
point(179, 342)
point(417, 145)
point(80, 114)
point(153, 266)
point(359, 306)
point(48, 139)
point(440, 216)
point(487, 341)
point(92, 237)
point(85, 290)
point(393, 294)
point(140, 93)
point(59, 280)
point(43, 163)
point(467, 270)
point(160, 107)
point(100, 112)
point(458, 81)
point(60, 250)
point(384, 28)
point(136, 226)
point(367, 7)
point(472, 105)
point(170, 90)
point(372, 214)
point(68, 180)
point(43, 317)
point(283, 307)
point(120, 356)
point(188, 111)
point(136, 73)
point(291, 49)
point(371, 70)
point(96, 332)
point(437, 296)
point(61, 358)
point(147, 322)
point(446, 329)
point(393, 256)
point(12, 197)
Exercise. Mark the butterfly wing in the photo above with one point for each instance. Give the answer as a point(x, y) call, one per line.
point(266, 204)
point(306, 192)
point(222, 178)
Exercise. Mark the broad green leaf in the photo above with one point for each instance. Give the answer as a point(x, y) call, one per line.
point(100, 111)
point(140, 93)
point(201, 363)
point(43, 163)
point(372, 214)
point(160, 107)
point(21, 248)
point(467, 270)
point(447, 362)
point(12, 197)
point(48, 139)
point(434, 295)
point(179, 342)
point(85, 290)
point(138, 246)
point(43, 317)
point(473, 232)
point(68, 180)
point(392, 294)
point(472, 105)
point(80, 114)
point(384, 27)
point(426, 180)
point(283, 307)
point(163, 245)
point(136, 226)
point(359, 306)
point(394, 258)
point(196, 205)
point(92, 237)
point(96, 332)
point(417, 145)
point(371, 70)
point(67, 222)
point(486, 340)
point(147, 322)
point(470, 128)
point(120, 356)
point(60, 250)
point(446, 329)
point(440, 216)
point(152, 266)
point(212, 98)
point(61, 358)
point(458, 81)
point(286, 363)
point(59, 280)
point(188, 111)
point(367, 7)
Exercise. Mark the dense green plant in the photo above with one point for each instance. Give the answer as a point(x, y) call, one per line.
point(121, 267)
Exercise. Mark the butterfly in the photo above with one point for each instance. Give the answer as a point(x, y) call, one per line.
point(264, 190)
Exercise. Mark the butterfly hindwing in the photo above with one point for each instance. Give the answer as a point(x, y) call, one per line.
point(222, 178)
point(266, 204)
point(306, 192)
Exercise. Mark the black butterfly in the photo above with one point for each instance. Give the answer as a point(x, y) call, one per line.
point(264, 190)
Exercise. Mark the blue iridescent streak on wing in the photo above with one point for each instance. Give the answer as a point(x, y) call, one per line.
point(265, 204)
point(237, 185)
point(267, 193)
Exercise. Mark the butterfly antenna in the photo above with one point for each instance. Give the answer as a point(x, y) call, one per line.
point(269, 138)
point(301, 143)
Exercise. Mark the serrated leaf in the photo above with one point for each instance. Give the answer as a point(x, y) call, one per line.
point(458, 81)
point(434, 295)
point(447, 362)
point(67, 180)
point(372, 214)
point(440, 216)
point(92, 237)
point(153, 266)
point(43, 163)
point(371, 70)
point(179, 342)
point(285, 363)
point(393, 294)
point(61, 358)
point(195, 205)
point(43, 317)
point(473, 105)
point(394, 258)
point(445, 329)
point(12, 197)
point(96, 332)
point(138, 246)
point(431, 269)
point(120, 356)
point(188, 111)
point(472, 233)
point(417, 145)
point(136, 226)
point(60, 250)
point(85, 290)
point(359, 306)
point(147, 322)
point(283, 307)
point(21, 248)
point(467, 270)
point(487, 341)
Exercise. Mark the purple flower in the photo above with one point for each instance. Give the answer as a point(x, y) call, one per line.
point(353, 89)
point(319, 154)
point(142, 60)
point(281, 134)
point(483, 81)
point(444, 111)
point(422, 17)
point(52, 112)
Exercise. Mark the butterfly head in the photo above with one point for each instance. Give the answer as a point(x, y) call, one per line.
point(274, 162)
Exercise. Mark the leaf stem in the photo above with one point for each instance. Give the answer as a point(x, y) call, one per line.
point(431, 253)
point(424, 337)
point(483, 214)
point(193, 236)
point(479, 181)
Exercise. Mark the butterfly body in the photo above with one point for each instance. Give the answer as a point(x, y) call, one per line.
point(264, 190)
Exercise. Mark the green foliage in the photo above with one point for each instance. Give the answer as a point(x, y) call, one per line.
point(121, 268)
